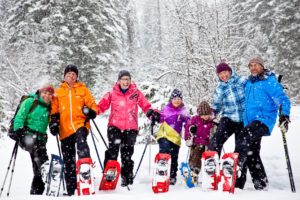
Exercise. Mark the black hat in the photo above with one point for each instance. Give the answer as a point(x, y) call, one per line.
point(123, 73)
point(71, 68)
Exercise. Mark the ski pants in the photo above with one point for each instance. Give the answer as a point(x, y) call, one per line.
point(123, 141)
point(248, 146)
point(165, 146)
point(38, 154)
point(68, 148)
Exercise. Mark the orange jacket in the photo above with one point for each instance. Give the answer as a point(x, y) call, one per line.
point(68, 102)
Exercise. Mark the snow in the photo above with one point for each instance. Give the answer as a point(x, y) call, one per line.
point(272, 154)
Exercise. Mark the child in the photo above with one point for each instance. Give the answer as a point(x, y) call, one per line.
point(173, 116)
point(197, 134)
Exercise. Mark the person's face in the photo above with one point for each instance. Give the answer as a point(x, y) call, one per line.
point(255, 69)
point(205, 117)
point(125, 82)
point(46, 96)
point(224, 75)
point(176, 102)
point(70, 78)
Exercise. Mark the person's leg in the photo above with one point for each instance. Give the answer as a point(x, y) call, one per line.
point(69, 154)
point(127, 150)
point(222, 134)
point(247, 137)
point(114, 142)
point(83, 150)
point(174, 151)
point(38, 157)
point(256, 167)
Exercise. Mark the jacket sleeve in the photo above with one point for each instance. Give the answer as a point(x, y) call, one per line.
point(143, 102)
point(54, 105)
point(217, 101)
point(104, 103)
point(19, 121)
point(276, 92)
point(89, 101)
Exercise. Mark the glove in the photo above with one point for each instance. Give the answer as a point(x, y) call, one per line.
point(18, 134)
point(54, 124)
point(284, 121)
point(90, 113)
point(189, 142)
point(193, 129)
point(153, 115)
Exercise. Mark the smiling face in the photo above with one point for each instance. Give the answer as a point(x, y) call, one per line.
point(224, 75)
point(125, 82)
point(46, 96)
point(70, 78)
point(176, 102)
point(255, 69)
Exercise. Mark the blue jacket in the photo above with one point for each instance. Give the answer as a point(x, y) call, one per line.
point(229, 98)
point(263, 97)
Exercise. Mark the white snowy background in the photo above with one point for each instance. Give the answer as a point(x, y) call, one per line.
point(272, 154)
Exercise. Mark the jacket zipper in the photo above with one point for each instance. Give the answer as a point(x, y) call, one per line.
point(71, 111)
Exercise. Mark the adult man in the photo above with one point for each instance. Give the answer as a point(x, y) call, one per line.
point(264, 94)
point(124, 100)
point(68, 120)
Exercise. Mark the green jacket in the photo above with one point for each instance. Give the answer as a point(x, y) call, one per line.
point(37, 121)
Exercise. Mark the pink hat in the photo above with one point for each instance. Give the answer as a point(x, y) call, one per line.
point(223, 67)
point(47, 88)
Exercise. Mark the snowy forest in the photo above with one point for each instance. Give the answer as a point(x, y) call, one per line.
point(164, 43)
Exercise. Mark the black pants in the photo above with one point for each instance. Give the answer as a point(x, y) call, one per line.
point(123, 141)
point(165, 146)
point(38, 154)
point(225, 129)
point(68, 149)
point(248, 146)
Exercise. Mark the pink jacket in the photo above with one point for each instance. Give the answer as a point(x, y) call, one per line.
point(124, 107)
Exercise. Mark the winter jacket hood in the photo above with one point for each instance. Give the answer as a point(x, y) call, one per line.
point(69, 102)
point(264, 95)
point(124, 106)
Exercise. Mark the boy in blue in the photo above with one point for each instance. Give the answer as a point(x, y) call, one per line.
point(264, 94)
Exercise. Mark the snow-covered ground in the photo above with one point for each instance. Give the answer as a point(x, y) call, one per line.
point(272, 154)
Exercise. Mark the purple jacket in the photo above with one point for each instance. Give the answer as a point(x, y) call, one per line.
point(174, 117)
point(203, 130)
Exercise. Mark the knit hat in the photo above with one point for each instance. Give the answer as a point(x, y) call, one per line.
point(222, 67)
point(176, 93)
point(204, 109)
point(123, 73)
point(47, 88)
point(71, 68)
point(258, 60)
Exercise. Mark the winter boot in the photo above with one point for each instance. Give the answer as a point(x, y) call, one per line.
point(173, 181)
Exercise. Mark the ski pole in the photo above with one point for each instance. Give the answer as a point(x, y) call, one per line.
point(8, 168)
point(60, 155)
point(143, 153)
point(97, 150)
point(12, 169)
point(100, 133)
point(286, 151)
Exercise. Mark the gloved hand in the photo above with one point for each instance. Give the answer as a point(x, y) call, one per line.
point(189, 142)
point(18, 134)
point(90, 113)
point(193, 129)
point(153, 115)
point(54, 124)
point(284, 121)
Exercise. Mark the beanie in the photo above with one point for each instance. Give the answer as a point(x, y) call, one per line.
point(71, 68)
point(204, 109)
point(123, 73)
point(222, 67)
point(176, 93)
point(258, 60)
point(47, 88)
